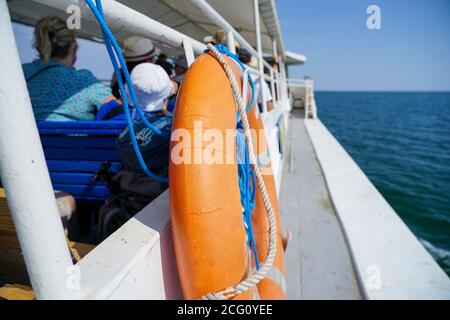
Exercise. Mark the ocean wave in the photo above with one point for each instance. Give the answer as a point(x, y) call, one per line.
point(441, 255)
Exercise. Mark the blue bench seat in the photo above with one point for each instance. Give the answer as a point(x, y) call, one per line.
point(76, 150)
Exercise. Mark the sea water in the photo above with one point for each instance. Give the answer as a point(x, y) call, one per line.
point(401, 140)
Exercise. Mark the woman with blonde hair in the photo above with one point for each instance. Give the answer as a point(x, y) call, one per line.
point(57, 90)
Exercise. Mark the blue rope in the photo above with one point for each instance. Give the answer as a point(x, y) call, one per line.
point(115, 53)
point(247, 186)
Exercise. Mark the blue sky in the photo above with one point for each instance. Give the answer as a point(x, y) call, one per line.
point(411, 52)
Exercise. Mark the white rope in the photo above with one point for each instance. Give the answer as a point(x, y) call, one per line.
point(261, 273)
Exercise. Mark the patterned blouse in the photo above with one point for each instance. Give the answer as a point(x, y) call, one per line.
point(62, 93)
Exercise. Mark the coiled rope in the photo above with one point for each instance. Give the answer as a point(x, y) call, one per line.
point(264, 269)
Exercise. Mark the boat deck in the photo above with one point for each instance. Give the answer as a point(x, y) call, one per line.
point(318, 264)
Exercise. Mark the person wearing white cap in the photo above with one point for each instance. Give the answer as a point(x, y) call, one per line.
point(152, 87)
point(136, 50)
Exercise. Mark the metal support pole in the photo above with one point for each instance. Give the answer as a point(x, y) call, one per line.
point(188, 52)
point(259, 50)
point(284, 87)
point(313, 101)
point(274, 48)
point(306, 98)
point(25, 177)
point(277, 69)
point(258, 35)
point(230, 42)
point(272, 85)
point(278, 85)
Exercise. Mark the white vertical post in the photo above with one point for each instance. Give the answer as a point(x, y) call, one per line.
point(259, 50)
point(272, 84)
point(307, 100)
point(245, 85)
point(230, 42)
point(313, 101)
point(284, 87)
point(278, 85)
point(274, 48)
point(258, 35)
point(273, 72)
point(188, 52)
point(25, 177)
point(277, 69)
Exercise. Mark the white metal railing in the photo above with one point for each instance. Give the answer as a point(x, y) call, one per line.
point(296, 82)
point(308, 96)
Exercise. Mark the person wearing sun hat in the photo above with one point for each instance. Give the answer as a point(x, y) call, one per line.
point(139, 49)
point(135, 50)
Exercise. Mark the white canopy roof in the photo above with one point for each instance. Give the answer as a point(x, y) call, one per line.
point(294, 58)
point(179, 15)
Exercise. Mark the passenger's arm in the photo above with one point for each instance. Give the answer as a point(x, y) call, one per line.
point(97, 95)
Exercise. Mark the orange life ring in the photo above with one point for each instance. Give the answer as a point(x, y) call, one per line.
point(208, 232)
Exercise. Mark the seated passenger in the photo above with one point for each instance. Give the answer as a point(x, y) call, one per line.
point(57, 90)
point(181, 67)
point(131, 188)
point(166, 65)
point(136, 50)
point(220, 37)
point(246, 58)
point(152, 88)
